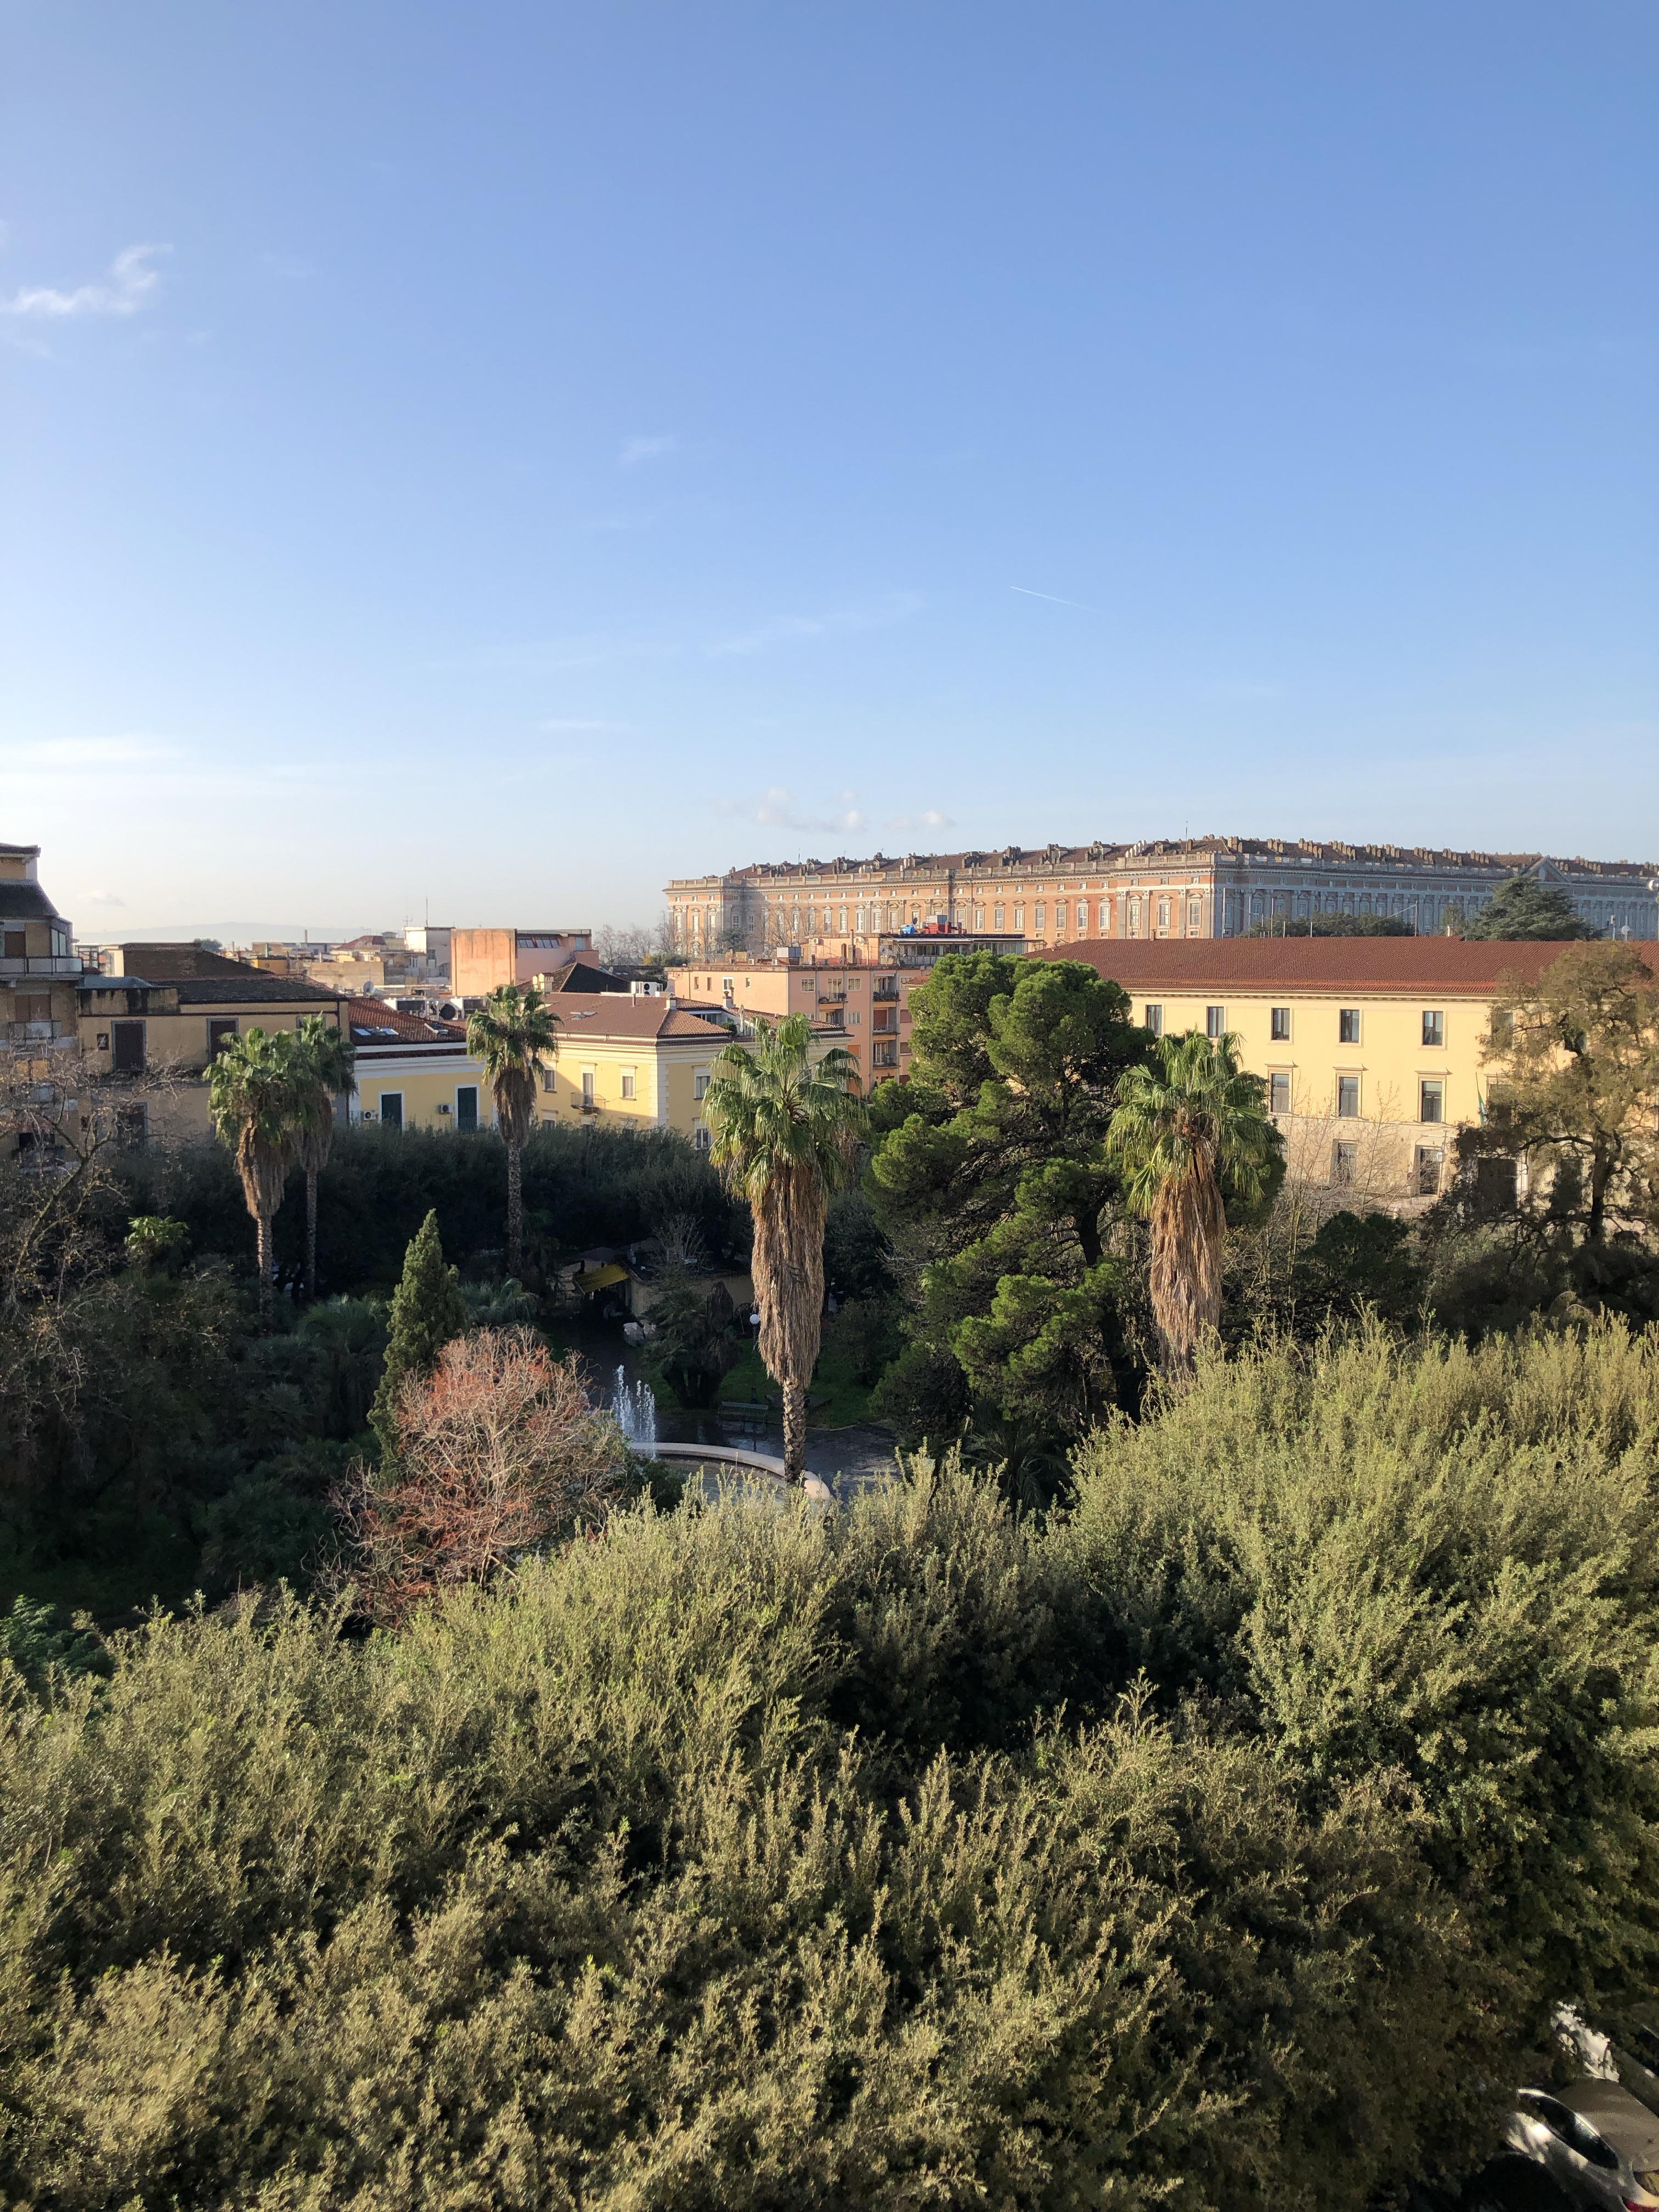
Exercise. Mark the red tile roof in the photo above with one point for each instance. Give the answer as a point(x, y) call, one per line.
point(609, 1014)
point(1451, 965)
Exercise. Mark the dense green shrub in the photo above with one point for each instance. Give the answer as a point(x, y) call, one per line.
point(580, 1891)
point(582, 1188)
point(1439, 1564)
point(1211, 1845)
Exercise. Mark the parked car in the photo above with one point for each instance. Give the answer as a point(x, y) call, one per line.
point(1597, 2142)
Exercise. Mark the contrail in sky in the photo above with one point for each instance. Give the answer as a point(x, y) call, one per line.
point(1055, 599)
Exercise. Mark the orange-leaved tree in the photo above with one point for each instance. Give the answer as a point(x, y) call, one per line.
point(500, 1451)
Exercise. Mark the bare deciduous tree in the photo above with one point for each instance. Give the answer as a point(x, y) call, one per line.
point(500, 1451)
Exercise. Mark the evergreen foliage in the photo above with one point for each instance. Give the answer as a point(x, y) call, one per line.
point(257, 1090)
point(993, 1176)
point(1523, 908)
point(1192, 1134)
point(786, 1127)
point(582, 1187)
point(1218, 1843)
point(324, 1059)
point(1334, 925)
point(511, 1035)
point(427, 1310)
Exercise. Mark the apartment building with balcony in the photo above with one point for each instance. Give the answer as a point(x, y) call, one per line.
point(40, 971)
point(864, 1010)
point(1154, 890)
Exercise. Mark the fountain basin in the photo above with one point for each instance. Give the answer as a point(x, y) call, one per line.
point(753, 1462)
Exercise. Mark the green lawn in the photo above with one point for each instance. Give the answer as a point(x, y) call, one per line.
point(845, 1399)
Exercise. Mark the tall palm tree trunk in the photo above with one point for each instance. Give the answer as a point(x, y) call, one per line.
point(515, 1209)
point(262, 1222)
point(1189, 1226)
point(311, 1232)
point(794, 1432)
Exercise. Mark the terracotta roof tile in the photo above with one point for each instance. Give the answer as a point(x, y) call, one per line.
point(1453, 965)
point(608, 1013)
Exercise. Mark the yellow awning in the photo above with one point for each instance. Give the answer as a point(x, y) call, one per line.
point(601, 1279)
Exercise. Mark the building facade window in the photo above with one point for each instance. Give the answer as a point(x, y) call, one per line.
point(628, 1091)
point(392, 1109)
point(587, 1086)
point(1215, 1021)
point(1164, 914)
point(1431, 1165)
point(1194, 917)
point(1083, 917)
point(1279, 1094)
point(1347, 1097)
point(466, 1106)
point(1040, 918)
point(1344, 1164)
point(1434, 1026)
point(1432, 1094)
point(1154, 1020)
point(1103, 917)
point(1019, 918)
point(999, 913)
point(701, 1139)
point(700, 1083)
point(221, 1031)
point(1279, 1023)
point(1347, 1025)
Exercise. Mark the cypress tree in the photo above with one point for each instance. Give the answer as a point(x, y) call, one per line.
point(427, 1309)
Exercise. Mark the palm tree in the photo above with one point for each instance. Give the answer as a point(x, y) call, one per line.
point(325, 1060)
point(254, 1087)
point(785, 1132)
point(512, 1033)
point(1191, 1133)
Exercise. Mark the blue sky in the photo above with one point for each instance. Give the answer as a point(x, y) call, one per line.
point(494, 458)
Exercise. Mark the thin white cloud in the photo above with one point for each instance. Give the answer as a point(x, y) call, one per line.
point(847, 622)
point(776, 809)
point(636, 450)
point(930, 817)
point(554, 656)
point(104, 898)
point(132, 286)
point(1053, 598)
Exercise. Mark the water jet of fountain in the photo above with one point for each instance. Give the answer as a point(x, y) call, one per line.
point(636, 1409)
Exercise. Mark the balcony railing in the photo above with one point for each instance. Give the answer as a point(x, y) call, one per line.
point(41, 964)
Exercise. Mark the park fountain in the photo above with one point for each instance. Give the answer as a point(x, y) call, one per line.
point(636, 1412)
point(636, 1409)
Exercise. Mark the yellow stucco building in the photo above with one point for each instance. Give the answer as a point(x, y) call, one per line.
point(640, 1062)
point(1370, 1046)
